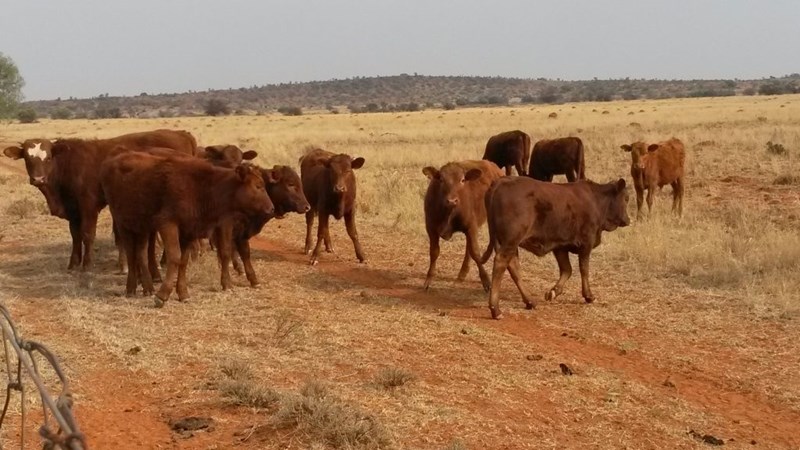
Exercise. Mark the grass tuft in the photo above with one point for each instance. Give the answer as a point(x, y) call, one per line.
point(393, 377)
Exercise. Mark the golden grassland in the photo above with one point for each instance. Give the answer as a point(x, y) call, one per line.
point(710, 301)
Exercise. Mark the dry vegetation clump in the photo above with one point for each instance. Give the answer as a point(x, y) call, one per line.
point(25, 208)
point(786, 180)
point(776, 148)
point(393, 377)
point(325, 419)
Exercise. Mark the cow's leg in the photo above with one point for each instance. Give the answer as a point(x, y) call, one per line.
point(508, 170)
point(77, 244)
point(152, 264)
point(350, 224)
point(88, 232)
point(513, 270)
point(183, 284)
point(462, 273)
point(122, 260)
point(172, 248)
point(501, 259)
point(236, 262)
point(143, 263)
point(328, 243)
point(651, 191)
point(583, 264)
point(571, 176)
point(224, 250)
point(434, 254)
point(520, 170)
point(639, 201)
point(565, 271)
point(321, 230)
point(243, 247)
point(309, 227)
point(128, 243)
point(677, 196)
point(474, 253)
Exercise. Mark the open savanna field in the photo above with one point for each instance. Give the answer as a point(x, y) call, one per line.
point(695, 329)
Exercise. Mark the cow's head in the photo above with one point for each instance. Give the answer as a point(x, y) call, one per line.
point(340, 167)
point(251, 196)
point(638, 150)
point(38, 157)
point(452, 179)
point(226, 155)
point(617, 211)
point(285, 190)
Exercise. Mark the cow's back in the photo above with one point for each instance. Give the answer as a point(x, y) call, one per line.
point(179, 140)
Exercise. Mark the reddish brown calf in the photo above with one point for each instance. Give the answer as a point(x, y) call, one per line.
point(654, 166)
point(329, 184)
point(509, 149)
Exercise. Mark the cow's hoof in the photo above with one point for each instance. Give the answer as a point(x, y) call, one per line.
point(255, 285)
point(496, 314)
point(157, 302)
point(588, 299)
point(314, 262)
point(122, 272)
point(130, 294)
point(530, 305)
point(550, 295)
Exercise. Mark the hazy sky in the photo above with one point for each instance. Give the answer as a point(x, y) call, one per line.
point(83, 48)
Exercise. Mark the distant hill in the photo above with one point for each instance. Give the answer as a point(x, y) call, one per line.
point(402, 92)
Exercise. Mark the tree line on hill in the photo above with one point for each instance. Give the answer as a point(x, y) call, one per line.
point(398, 93)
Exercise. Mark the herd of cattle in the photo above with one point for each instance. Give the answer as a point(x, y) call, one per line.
point(161, 184)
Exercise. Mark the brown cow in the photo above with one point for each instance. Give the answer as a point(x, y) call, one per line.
point(183, 199)
point(329, 184)
point(657, 165)
point(73, 191)
point(562, 156)
point(454, 202)
point(545, 217)
point(286, 193)
point(225, 155)
point(509, 149)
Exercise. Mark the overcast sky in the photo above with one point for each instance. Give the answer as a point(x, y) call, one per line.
point(84, 48)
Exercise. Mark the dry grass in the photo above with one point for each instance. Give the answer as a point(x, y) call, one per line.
point(710, 299)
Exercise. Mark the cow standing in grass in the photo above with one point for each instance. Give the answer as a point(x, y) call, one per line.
point(654, 166)
point(562, 156)
point(509, 149)
point(329, 184)
point(542, 217)
point(454, 202)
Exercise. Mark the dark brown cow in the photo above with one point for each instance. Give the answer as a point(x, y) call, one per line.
point(657, 165)
point(509, 149)
point(286, 193)
point(183, 199)
point(545, 217)
point(562, 156)
point(454, 202)
point(66, 173)
point(329, 184)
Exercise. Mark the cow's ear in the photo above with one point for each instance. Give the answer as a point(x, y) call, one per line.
point(357, 163)
point(241, 171)
point(473, 174)
point(430, 172)
point(270, 176)
point(621, 185)
point(249, 155)
point(626, 147)
point(14, 152)
point(652, 147)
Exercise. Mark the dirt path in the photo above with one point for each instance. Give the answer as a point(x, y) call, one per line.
point(749, 416)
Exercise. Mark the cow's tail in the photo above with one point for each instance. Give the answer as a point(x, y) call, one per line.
point(487, 199)
point(526, 153)
point(581, 162)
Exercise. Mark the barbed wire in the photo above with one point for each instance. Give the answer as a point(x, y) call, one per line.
point(68, 435)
